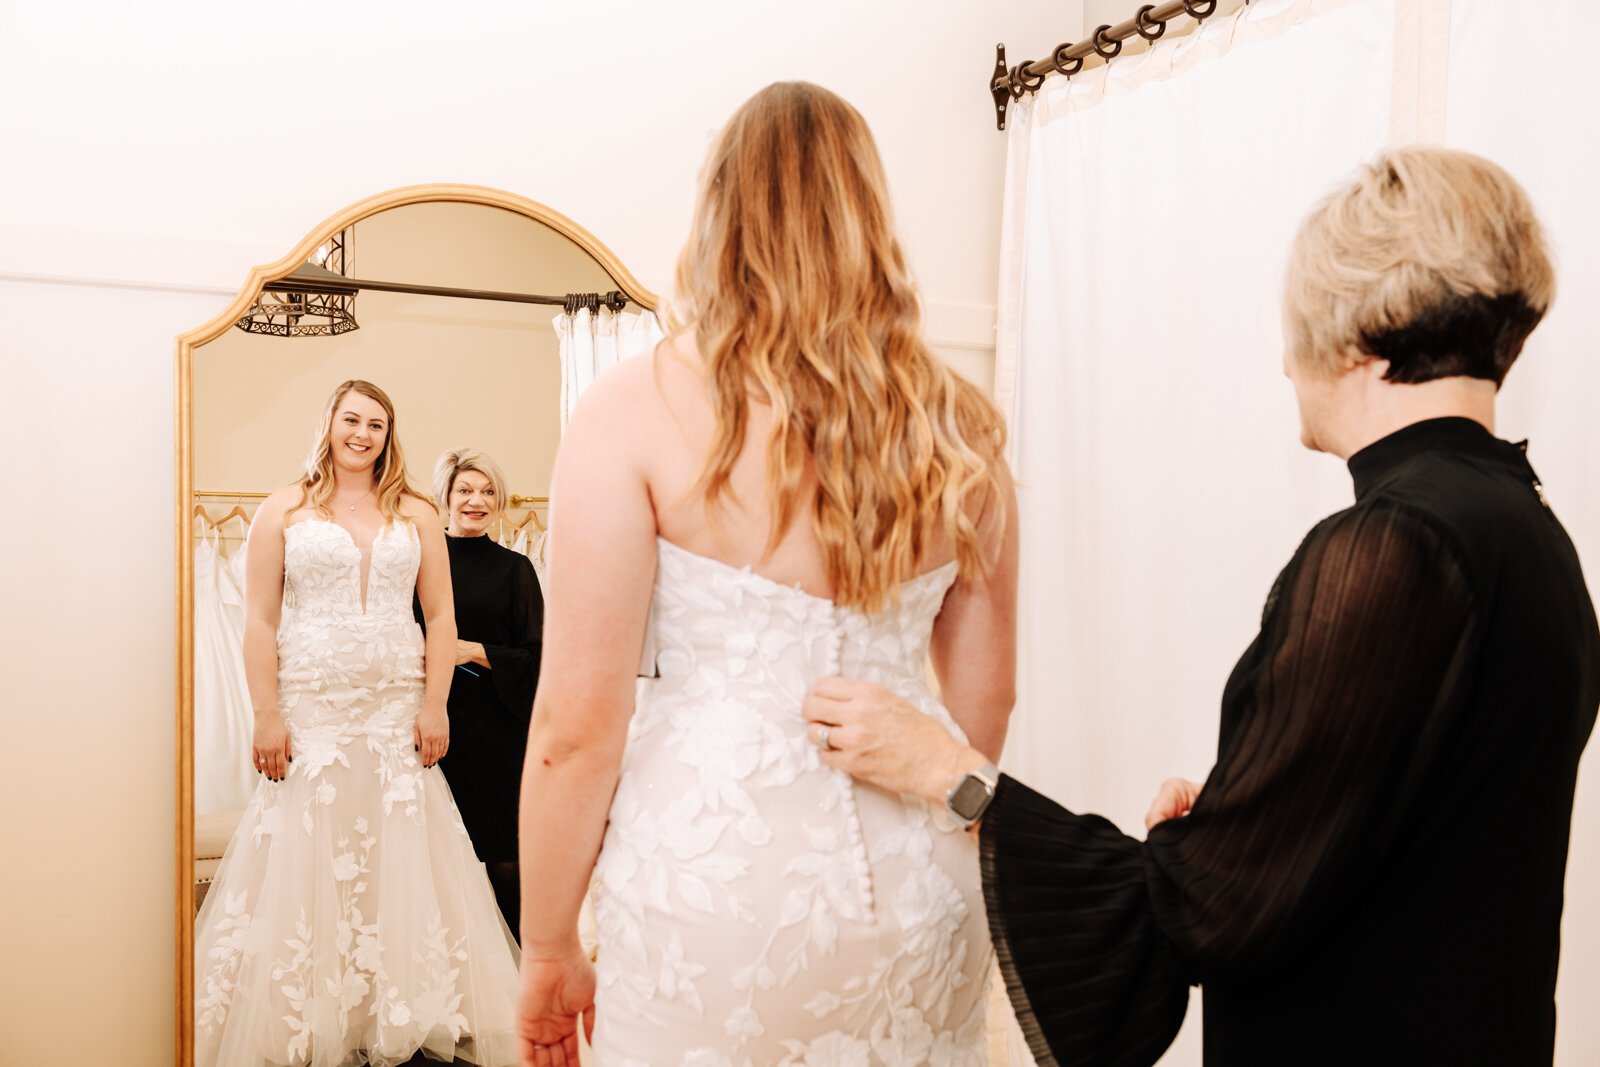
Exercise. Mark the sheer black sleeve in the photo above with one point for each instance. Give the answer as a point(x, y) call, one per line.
point(514, 667)
point(1331, 724)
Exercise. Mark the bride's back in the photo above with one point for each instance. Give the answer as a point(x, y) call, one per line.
point(813, 435)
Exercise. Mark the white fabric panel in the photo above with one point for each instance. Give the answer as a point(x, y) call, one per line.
point(592, 341)
point(1522, 92)
point(224, 721)
point(1155, 439)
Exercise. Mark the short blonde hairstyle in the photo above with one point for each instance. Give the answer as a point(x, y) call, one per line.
point(1431, 259)
point(456, 460)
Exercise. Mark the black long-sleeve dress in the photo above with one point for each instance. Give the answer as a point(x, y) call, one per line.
point(1373, 871)
point(498, 604)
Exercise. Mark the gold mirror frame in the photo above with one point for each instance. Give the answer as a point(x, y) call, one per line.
point(183, 436)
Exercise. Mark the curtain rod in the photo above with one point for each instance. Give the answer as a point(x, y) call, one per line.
point(310, 278)
point(1149, 22)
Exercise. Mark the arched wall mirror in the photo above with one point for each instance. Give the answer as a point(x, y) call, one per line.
point(482, 315)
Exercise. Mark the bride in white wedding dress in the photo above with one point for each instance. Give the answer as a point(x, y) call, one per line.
point(350, 921)
point(791, 487)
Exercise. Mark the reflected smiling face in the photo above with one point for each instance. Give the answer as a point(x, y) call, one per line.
point(472, 504)
point(359, 432)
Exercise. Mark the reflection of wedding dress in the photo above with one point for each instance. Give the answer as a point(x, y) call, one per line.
point(754, 907)
point(224, 724)
point(350, 921)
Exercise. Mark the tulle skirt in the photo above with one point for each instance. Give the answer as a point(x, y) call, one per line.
point(350, 921)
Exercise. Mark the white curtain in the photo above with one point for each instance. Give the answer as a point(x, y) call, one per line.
point(592, 341)
point(1149, 207)
point(1522, 91)
point(1155, 438)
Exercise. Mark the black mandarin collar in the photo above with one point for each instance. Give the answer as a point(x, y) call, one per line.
point(1453, 434)
point(470, 546)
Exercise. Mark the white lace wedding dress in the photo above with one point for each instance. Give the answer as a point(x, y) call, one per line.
point(755, 907)
point(350, 922)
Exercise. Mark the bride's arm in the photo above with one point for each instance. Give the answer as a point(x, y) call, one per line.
point(437, 600)
point(974, 646)
point(602, 567)
point(263, 605)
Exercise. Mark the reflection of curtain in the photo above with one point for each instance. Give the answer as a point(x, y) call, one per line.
point(1536, 116)
point(592, 341)
point(1161, 485)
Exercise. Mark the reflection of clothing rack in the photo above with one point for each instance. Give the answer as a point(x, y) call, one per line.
point(209, 502)
point(310, 278)
point(204, 516)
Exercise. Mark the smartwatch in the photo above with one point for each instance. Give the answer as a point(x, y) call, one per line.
point(969, 798)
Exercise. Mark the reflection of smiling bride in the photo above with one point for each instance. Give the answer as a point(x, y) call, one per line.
point(350, 922)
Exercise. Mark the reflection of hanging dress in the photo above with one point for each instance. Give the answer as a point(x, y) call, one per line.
point(350, 922)
point(223, 721)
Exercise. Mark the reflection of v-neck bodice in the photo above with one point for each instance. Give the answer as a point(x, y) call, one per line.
point(322, 571)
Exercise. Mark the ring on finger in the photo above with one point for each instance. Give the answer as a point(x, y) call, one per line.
point(822, 737)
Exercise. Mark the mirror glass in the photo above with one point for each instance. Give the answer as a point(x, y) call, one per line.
point(403, 299)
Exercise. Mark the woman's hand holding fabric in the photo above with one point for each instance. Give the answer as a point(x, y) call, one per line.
point(876, 737)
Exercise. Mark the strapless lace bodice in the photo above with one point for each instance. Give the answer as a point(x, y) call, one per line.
point(322, 572)
point(756, 907)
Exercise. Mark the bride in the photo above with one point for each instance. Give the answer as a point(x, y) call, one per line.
point(350, 922)
point(791, 487)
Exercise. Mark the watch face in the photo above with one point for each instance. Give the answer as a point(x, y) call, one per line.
point(970, 797)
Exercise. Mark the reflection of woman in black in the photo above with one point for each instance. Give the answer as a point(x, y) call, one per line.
point(499, 617)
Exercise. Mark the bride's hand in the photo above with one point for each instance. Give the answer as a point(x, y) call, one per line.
point(553, 995)
point(271, 748)
point(432, 734)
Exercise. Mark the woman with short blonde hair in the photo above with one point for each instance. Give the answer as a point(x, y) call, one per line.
point(1372, 871)
point(457, 460)
point(1430, 260)
point(499, 618)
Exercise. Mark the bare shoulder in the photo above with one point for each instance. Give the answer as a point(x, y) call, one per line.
point(275, 510)
point(625, 403)
point(417, 508)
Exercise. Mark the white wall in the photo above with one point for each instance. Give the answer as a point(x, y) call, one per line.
point(154, 153)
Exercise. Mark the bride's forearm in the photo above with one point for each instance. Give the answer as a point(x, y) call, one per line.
point(438, 659)
point(567, 785)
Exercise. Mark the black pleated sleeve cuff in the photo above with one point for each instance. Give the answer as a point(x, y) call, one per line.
point(1091, 977)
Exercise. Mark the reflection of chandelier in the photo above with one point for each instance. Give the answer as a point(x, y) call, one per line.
point(323, 312)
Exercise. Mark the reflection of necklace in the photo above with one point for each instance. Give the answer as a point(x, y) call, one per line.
point(358, 499)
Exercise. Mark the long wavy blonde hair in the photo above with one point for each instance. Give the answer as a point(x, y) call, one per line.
point(797, 289)
point(388, 470)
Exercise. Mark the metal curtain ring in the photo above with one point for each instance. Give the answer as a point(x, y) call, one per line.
point(1142, 18)
point(1021, 84)
point(1059, 61)
point(1199, 9)
point(1100, 43)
